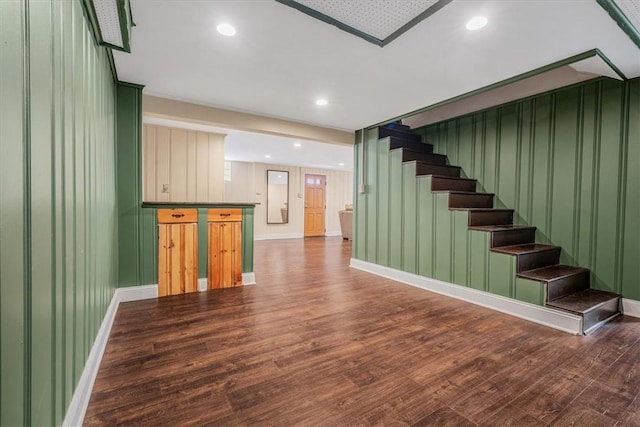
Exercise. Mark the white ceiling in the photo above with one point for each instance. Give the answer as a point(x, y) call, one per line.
point(254, 147)
point(281, 60)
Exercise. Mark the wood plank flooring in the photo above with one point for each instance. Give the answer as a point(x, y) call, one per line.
point(316, 343)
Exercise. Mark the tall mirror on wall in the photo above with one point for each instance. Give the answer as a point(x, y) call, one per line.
point(277, 197)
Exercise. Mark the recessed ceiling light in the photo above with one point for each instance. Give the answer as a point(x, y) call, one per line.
point(297, 144)
point(268, 156)
point(340, 164)
point(226, 29)
point(476, 23)
point(322, 102)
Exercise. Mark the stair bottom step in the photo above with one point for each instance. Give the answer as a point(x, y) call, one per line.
point(596, 307)
point(583, 301)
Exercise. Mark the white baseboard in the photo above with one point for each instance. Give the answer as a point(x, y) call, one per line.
point(203, 284)
point(136, 293)
point(82, 393)
point(292, 235)
point(278, 236)
point(249, 278)
point(555, 319)
point(630, 307)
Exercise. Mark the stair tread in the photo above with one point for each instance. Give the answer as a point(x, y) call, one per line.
point(503, 227)
point(448, 177)
point(489, 209)
point(552, 272)
point(583, 301)
point(435, 164)
point(418, 151)
point(524, 249)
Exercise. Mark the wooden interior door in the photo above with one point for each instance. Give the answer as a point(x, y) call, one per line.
point(177, 252)
point(315, 206)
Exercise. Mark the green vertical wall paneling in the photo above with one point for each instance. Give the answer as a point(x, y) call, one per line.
point(371, 153)
point(203, 238)
point(131, 256)
point(443, 237)
point(247, 239)
point(12, 212)
point(529, 291)
point(425, 227)
point(409, 218)
point(630, 268)
point(360, 199)
point(460, 248)
point(478, 264)
point(57, 215)
point(384, 190)
point(395, 209)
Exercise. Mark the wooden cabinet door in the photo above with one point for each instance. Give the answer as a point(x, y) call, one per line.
point(225, 254)
point(177, 258)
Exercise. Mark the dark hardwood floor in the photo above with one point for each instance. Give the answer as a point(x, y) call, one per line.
point(317, 343)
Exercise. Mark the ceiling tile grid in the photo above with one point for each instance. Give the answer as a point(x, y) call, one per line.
point(378, 18)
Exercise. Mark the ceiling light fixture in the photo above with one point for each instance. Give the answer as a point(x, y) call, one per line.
point(226, 29)
point(322, 102)
point(340, 164)
point(476, 23)
point(268, 156)
point(297, 144)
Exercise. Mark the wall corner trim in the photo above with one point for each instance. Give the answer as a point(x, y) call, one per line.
point(554, 319)
point(630, 307)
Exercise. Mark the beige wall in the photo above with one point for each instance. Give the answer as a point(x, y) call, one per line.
point(249, 183)
point(164, 108)
point(189, 163)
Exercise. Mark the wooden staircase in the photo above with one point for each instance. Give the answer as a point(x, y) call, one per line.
point(566, 288)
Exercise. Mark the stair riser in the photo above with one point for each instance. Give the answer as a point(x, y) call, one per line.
point(477, 200)
point(537, 260)
point(444, 184)
point(490, 218)
point(409, 155)
point(384, 132)
point(395, 143)
point(568, 285)
point(592, 317)
point(512, 237)
point(428, 169)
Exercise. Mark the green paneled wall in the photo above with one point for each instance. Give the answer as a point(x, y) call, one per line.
point(137, 227)
point(57, 205)
point(566, 161)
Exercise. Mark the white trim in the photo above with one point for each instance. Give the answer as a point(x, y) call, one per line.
point(136, 293)
point(555, 319)
point(631, 307)
point(203, 284)
point(278, 236)
point(292, 236)
point(82, 393)
point(248, 278)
